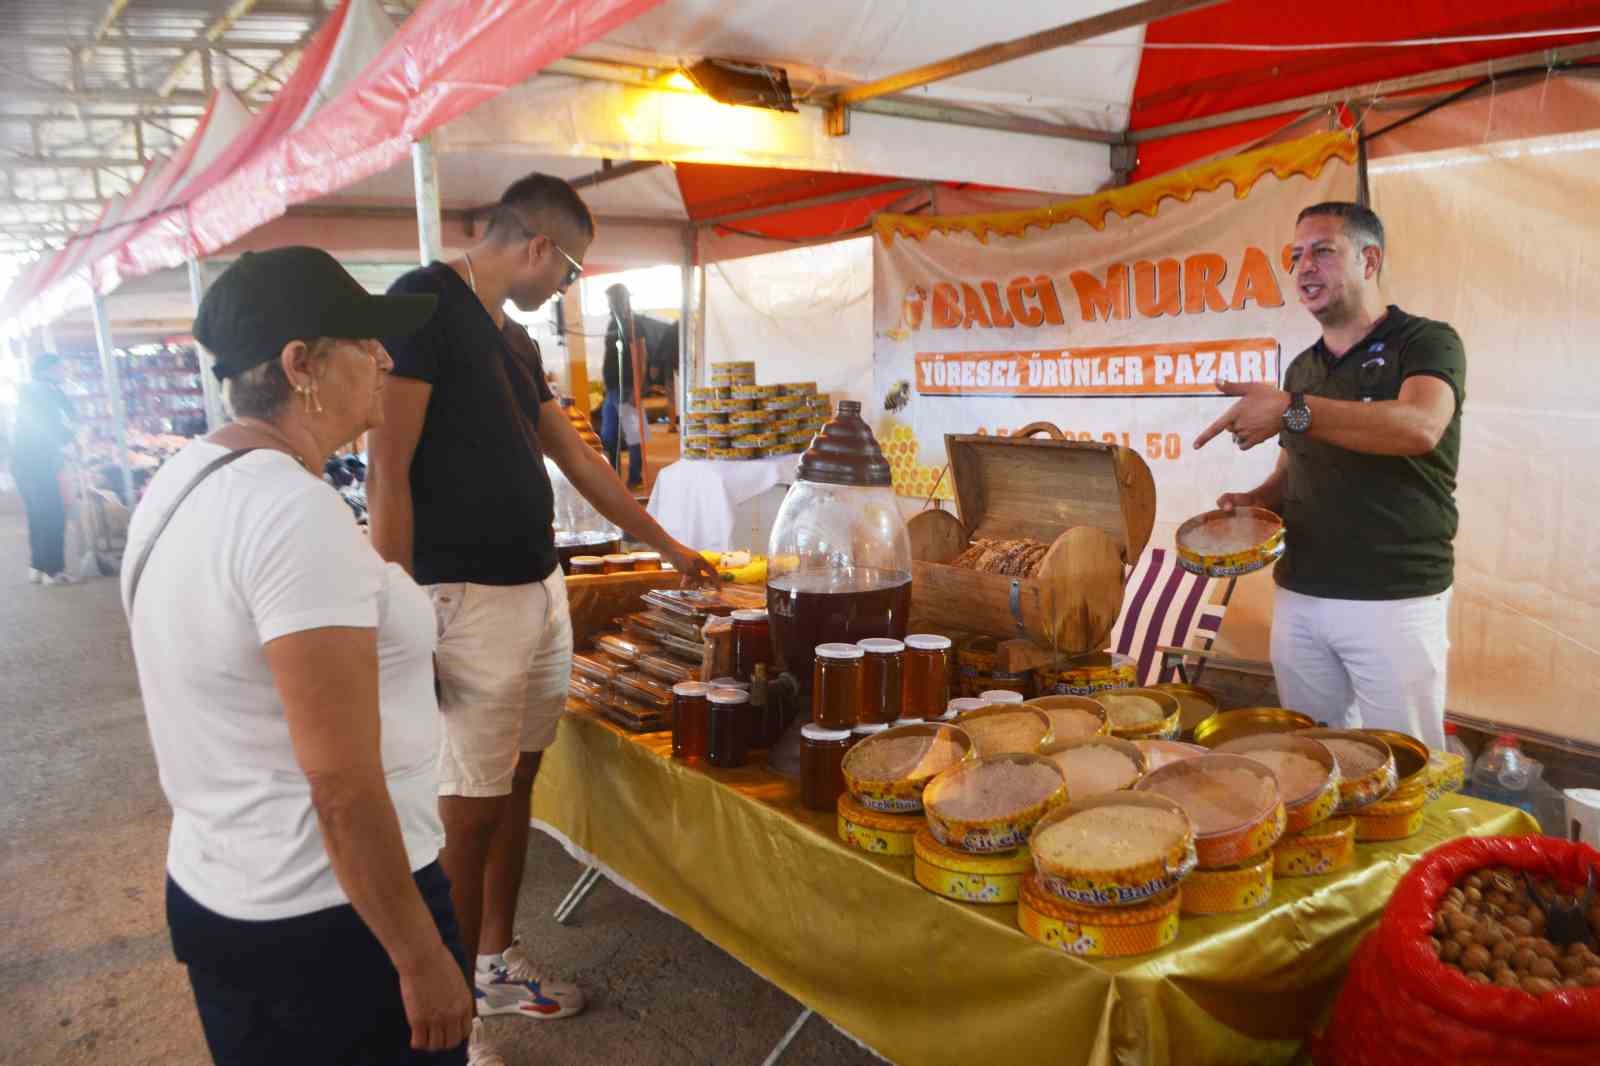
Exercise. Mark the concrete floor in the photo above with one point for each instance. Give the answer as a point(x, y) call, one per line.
point(86, 970)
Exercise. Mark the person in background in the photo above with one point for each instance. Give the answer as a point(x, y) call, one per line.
point(619, 415)
point(38, 451)
point(457, 491)
point(1369, 420)
point(287, 676)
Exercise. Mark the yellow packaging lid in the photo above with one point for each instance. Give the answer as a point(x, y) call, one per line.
point(1391, 819)
point(1087, 674)
point(1390, 807)
point(874, 831)
point(1096, 932)
point(1448, 773)
point(1323, 849)
point(1017, 861)
point(966, 887)
point(1229, 890)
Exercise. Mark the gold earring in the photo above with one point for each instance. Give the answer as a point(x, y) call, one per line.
point(316, 400)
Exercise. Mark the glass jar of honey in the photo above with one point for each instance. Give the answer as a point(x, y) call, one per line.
point(1000, 695)
point(927, 676)
point(616, 564)
point(646, 560)
point(690, 715)
point(836, 686)
point(881, 667)
point(727, 727)
point(752, 642)
point(822, 766)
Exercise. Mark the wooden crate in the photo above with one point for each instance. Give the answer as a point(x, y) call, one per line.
point(1093, 503)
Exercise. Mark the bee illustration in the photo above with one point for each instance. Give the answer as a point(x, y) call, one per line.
point(898, 396)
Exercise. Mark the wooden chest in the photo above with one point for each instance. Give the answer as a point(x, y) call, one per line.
point(1093, 504)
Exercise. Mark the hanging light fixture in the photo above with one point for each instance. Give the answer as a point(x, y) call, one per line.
point(732, 81)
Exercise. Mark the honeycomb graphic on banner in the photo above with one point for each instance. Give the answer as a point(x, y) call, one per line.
point(910, 478)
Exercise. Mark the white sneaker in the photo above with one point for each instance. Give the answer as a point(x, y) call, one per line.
point(479, 1051)
point(35, 577)
point(62, 578)
point(508, 984)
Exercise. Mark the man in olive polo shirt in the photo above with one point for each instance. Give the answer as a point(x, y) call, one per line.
point(1369, 420)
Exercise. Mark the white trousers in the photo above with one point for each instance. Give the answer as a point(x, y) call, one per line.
point(1373, 664)
point(503, 662)
point(628, 420)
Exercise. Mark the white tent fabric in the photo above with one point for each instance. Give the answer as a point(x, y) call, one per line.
point(558, 115)
point(799, 315)
point(845, 40)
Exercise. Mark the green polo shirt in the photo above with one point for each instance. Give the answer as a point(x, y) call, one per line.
point(1373, 527)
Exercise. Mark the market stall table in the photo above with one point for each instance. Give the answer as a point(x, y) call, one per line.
point(701, 501)
point(922, 979)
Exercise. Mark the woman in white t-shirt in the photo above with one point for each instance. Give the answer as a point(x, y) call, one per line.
point(288, 681)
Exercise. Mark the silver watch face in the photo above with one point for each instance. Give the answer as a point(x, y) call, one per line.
point(1297, 419)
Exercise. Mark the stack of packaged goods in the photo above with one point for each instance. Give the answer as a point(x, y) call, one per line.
point(629, 675)
point(735, 418)
point(1107, 875)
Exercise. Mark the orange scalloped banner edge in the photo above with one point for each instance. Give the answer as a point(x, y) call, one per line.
point(1306, 156)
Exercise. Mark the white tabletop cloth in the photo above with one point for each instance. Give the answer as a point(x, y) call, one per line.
point(695, 499)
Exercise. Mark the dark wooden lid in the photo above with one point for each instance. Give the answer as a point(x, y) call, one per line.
point(845, 452)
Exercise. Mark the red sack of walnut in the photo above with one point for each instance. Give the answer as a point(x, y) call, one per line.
point(1019, 557)
point(1407, 1002)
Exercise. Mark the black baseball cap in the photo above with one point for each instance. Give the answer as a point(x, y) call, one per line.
point(267, 299)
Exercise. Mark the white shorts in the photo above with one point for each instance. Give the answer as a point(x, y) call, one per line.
point(504, 660)
point(1372, 664)
point(628, 420)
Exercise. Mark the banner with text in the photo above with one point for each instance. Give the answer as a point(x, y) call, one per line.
point(1112, 316)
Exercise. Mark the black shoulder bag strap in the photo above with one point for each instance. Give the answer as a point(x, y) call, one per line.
point(144, 556)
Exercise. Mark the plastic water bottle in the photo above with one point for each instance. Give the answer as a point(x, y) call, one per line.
point(1504, 765)
point(1457, 746)
point(1505, 774)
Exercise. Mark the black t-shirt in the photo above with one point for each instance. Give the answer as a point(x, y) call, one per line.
point(661, 356)
point(1373, 527)
point(481, 498)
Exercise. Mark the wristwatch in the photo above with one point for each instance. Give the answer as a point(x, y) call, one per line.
point(1297, 417)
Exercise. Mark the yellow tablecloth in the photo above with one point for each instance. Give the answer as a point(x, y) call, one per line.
point(923, 979)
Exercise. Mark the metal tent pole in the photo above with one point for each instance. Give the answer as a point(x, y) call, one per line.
point(585, 884)
point(686, 325)
point(47, 334)
point(430, 220)
point(112, 375)
point(788, 1038)
point(208, 380)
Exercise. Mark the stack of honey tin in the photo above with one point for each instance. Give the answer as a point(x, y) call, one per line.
point(733, 417)
point(1109, 875)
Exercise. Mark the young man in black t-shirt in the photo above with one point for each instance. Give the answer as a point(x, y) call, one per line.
point(458, 493)
point(1369, 420)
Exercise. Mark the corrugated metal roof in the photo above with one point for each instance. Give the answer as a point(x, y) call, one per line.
point(77, 114)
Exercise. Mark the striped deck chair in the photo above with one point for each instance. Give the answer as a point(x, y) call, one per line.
point(1165, 606)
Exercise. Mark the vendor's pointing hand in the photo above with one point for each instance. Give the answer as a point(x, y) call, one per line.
point(1255, 417)
point(693, 566)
